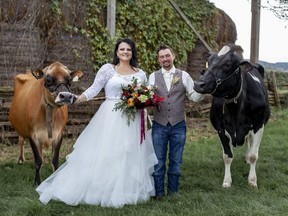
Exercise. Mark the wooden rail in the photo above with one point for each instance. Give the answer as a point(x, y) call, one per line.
point(80, 115)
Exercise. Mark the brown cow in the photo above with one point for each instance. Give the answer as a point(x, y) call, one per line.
point(39, 111)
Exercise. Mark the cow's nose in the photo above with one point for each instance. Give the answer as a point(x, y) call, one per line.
point(202, 84)
point(64, 98)
point(199, 83)
point(202, 72)
point(65, 95)
point(199, 86)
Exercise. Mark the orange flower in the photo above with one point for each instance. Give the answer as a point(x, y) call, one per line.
point(130, 102)
point(135, 95)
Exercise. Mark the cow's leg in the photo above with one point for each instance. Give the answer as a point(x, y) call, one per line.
point(21, 142)
point(227, 158)
point(252, 155)
point(227, 176)
point(37, 152)
point(55, 153)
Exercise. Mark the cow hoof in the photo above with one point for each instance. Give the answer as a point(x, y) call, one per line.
point(36, 184)
point(20, 161)
point(226, 184)
point(253, 183)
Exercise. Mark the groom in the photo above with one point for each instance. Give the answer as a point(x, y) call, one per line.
point(169, 125)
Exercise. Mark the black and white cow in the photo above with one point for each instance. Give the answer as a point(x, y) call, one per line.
point(240, 106)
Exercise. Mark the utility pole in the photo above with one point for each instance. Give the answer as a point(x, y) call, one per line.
point(111, 17)
point(255, 29)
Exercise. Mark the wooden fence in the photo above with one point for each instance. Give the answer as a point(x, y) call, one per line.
point(80, 115)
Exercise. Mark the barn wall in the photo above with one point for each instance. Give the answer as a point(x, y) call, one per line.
point(20, 48)
point(31, 37)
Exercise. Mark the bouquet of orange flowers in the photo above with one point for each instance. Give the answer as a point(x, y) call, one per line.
point(135, 97)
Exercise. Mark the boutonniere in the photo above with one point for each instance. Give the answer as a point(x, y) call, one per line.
point(175, 80)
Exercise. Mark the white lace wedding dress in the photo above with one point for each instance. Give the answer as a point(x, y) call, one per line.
point(107, 166)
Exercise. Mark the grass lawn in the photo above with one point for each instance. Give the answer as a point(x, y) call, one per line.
point(200, 183)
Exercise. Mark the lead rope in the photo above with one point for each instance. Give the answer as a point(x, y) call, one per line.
point(226, 101)
point(48, 119)
point(238, 95)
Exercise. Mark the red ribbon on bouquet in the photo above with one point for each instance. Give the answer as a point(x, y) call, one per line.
point(142, 136)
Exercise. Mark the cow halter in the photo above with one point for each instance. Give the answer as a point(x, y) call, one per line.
point(234, 99)
point(55, 88)
point(219, 81)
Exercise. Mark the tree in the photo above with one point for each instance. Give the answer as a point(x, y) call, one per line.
point(278, 7)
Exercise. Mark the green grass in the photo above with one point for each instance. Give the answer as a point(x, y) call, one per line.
point(200, 183)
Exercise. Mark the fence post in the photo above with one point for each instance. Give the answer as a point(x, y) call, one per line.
point(274, 86)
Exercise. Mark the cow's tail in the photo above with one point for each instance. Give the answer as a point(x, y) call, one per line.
point(260, 68)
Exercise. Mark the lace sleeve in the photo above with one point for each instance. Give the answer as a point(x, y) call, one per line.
point(102, 76)
point(143, 76)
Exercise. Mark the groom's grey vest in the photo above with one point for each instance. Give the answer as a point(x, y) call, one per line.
point(172, 109)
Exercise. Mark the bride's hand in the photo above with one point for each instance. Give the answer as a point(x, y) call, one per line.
point(79, 99)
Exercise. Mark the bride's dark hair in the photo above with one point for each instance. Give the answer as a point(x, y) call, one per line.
point(134, 59)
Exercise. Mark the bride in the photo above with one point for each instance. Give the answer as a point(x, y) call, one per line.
point(107, 166)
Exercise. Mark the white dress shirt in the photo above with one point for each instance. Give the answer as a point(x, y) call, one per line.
point(187, 82)
point(167, 77)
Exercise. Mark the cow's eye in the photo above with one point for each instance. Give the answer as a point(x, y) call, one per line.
point(227, 65)
point(70, 80)
point(49, 80)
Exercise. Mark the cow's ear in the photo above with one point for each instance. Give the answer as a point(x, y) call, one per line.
point(76, 74)
point(246, 66)
point(38, 73)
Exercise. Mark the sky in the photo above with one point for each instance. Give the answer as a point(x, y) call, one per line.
point(273, 42)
